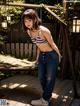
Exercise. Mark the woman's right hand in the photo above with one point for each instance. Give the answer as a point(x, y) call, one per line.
point(36, 62)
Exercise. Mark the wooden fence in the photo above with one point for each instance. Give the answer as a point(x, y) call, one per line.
point(29, 51)
point(20, 50)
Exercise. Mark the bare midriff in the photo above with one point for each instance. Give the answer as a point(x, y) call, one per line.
point(44, 47)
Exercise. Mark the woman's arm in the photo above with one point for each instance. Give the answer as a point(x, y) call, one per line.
point(48, 36)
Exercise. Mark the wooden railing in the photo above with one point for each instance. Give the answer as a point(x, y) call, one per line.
point(20, 50)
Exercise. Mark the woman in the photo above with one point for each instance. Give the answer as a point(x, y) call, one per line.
point(48, 55)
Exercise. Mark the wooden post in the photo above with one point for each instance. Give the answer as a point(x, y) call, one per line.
point(71, 63)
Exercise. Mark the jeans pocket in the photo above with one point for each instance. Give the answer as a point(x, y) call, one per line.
point(53, 55)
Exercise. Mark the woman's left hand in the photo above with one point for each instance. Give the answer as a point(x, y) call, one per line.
point(60, 57)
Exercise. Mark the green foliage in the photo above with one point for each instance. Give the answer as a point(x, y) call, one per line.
point(59, 11)
point(1, 40)
point(4, 75)
point(13, 11)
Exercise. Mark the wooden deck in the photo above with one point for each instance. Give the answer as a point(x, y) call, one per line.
point(8, 62)
point(19, 90)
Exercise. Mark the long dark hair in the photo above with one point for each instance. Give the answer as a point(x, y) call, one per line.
point(31, 14)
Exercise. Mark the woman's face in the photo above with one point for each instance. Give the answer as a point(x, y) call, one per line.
point(28, 23)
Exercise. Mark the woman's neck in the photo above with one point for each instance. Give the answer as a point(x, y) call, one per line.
point(33, 32)
point(33, 29)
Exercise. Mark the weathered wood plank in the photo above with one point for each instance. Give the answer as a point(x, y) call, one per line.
point(30, 50)
point(12, 102)
point(17, 50)
point(15, 82)
point(31, 84)
point(4, 48)
point(34, 51)
point(8, 50)
point(21, 50)
point(26, 49)
point(12, 49)
point(65, 93)
point(8, 63)
point(76, 102)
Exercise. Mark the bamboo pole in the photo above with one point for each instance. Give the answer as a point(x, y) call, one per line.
point(28, 5)
point(56, 16)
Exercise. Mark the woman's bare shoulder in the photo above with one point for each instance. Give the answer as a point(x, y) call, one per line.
point(44, 29)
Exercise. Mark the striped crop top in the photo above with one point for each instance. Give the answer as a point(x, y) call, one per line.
point(38, 39)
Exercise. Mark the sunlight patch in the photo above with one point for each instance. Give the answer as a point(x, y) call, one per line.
point(13, 86)
point(23, 85)
point(4, 86)
point(55, 96)
point(17, 103)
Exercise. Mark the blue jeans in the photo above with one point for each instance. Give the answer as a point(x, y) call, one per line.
point(47, 68)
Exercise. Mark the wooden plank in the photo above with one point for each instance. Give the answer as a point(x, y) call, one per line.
point(12, 102)
point(16, 81)
point(76, 102)
point(31, 85)
point(13, 49)
point(60, 87)
point(20, 104)
point(17, 50)
point(66, 94)
point(77, 58)
point(8, 50)
point(64, 91)
point(4, 48)
point(29, 5)
point(30, 50)
point(21, 50)
point(26, 49)
point(77, 64)
point(34, 51)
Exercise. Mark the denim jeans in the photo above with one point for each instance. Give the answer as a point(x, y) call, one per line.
point(47, 68)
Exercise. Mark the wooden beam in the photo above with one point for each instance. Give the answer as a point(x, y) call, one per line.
point(37, 6)
point(55, 15)
point(28, 5)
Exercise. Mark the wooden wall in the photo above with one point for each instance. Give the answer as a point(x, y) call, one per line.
point(20, 50)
